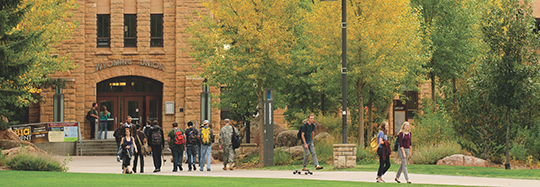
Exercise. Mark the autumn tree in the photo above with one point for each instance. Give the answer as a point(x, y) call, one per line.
point(384, 50)
point(511, 67)
point(29, 30)
point(245, 45)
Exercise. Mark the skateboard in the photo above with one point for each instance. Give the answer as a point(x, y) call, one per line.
point(300, 172)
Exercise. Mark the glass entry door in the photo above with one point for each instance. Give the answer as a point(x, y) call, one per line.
point(134, 108)
point(112, 107)
point(153, 108)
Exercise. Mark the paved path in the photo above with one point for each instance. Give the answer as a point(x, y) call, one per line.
point(108, 164)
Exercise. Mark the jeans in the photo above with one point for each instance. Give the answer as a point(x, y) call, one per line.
point(310, 149)
point(206, 153)
point(103, 128)
point(178, 156)
point(383, 164)
point(403, 166)
point(191, 155)
point(137, 155)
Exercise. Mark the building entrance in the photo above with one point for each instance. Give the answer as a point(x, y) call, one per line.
point(138, 97)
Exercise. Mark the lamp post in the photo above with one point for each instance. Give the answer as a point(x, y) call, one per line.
point(343, 67)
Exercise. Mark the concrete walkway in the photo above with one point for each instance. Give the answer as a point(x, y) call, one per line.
point(108, 164)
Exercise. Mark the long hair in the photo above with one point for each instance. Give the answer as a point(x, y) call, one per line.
point(383, 127)
point(403, 127)
point(104, 110)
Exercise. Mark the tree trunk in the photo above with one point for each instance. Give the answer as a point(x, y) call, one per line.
point(359, 87)
point(507, 164)
point(454, 92)
point(370, 116)
point(433, 98)
point(261, 121)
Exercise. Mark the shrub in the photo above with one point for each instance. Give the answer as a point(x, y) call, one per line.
point(430, 154)
point(35, 161)
point(365, 156)
point(518, 152)
point(433, 126)
point(325, 151)
point(282, 157)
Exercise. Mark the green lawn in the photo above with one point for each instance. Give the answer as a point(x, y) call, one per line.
point(35, 178)
point(437, 170)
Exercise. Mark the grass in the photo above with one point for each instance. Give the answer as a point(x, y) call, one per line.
point(532, 174)
point(36, 178)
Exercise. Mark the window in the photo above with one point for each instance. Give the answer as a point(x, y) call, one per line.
point(412, 103)
point(130, 30)
point(536, 25)
point(156, 30)
point(103, 30)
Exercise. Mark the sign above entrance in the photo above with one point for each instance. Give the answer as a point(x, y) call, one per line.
point(147, 63)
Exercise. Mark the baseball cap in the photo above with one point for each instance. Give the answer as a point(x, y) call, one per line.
point(227, 120)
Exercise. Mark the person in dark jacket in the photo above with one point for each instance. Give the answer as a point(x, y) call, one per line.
point(156, 143)
point(383, 151)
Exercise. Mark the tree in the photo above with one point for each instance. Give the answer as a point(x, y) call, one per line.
point(246, 46)
point(449, 29)
point(29, 30)
point(384, 50)
point(511, 73)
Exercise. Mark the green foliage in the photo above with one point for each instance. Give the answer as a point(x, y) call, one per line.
point(518, 152)
point(35, 161)
point(325, 152)
point(282, 157)
point(430, 154)
point(365, 156)
point(432, 127)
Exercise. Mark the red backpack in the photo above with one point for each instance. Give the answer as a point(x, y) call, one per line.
point(179, 138)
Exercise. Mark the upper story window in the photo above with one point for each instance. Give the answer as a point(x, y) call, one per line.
point(130, 30)
point(156, 30)
point(103, 30)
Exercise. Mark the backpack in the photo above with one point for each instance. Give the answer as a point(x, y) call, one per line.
point(206, 136)
point(396, 144)
point(235, 139)
point(192, 136)
point(299, 135)
point(179, 138)
point(156, 137)
point(88, 117)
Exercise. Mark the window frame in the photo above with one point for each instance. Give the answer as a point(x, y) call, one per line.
point(156, 30)
point(103, 28)
point(130, 27)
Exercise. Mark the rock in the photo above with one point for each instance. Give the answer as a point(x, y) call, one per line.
point(254, 131)
point(323, 136)
point(287, 139)
point(297, 152)
point(10, 140)
point(462, 160)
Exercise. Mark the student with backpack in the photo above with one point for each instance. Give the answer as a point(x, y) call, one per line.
point(207, 138)
point(156, 143)
point(192, 142)
point(306, 137)
point(177, 140)
point(404, 151)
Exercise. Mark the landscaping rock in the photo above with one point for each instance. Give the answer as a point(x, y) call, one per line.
point(254, 131)
point(297, 152)
point(462, 160)
point(10, 143)
point(288, 139)
point(323, 136)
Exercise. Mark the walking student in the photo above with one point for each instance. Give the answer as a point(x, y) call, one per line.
point(104, 116)
point(156, 143)
point(383, 151)
point(404, 151)
point(177, 140)
point(192, 142)
point(93, 120)
point(140, 139)
point(128, 148)
point(207, 138)
point(225, 143)
point(307, 143)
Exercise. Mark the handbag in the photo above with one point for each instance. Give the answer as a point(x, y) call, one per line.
point(144, 147)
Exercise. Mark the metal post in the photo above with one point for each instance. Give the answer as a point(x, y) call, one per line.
point(344, 68)
point(268, 127)
point(58, 105)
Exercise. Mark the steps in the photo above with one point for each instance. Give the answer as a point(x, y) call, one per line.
point(103, 148)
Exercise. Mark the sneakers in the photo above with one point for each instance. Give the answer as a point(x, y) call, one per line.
point(231, 166)
point(157, 170)
point(194, 167)
point(207, 169)
point(225, 168)
point(305, 169)
point(117, 158)
point(319, 167)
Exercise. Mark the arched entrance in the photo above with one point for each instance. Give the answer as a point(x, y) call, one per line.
point(138, 97)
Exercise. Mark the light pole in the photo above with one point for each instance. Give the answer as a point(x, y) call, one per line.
point(343, 68)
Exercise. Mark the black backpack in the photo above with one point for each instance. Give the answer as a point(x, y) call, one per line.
point(88, 117)
point(235, 139)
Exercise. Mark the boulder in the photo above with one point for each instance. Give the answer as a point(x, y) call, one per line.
point(287, 139)
point(462, 160)
point(9, 140)
point(297, 152)
point(323, 136)
point(254, 131)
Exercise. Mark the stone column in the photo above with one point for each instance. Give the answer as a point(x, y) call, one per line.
point(344, 156)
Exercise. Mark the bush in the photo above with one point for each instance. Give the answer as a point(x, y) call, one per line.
point(282, 157)
point(35, 161)
point(518, 152)
point(365, 156)
point(432, 127)
point(325, 151)
point(430, 154)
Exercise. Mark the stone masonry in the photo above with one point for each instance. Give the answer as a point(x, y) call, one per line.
point(344, 155)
